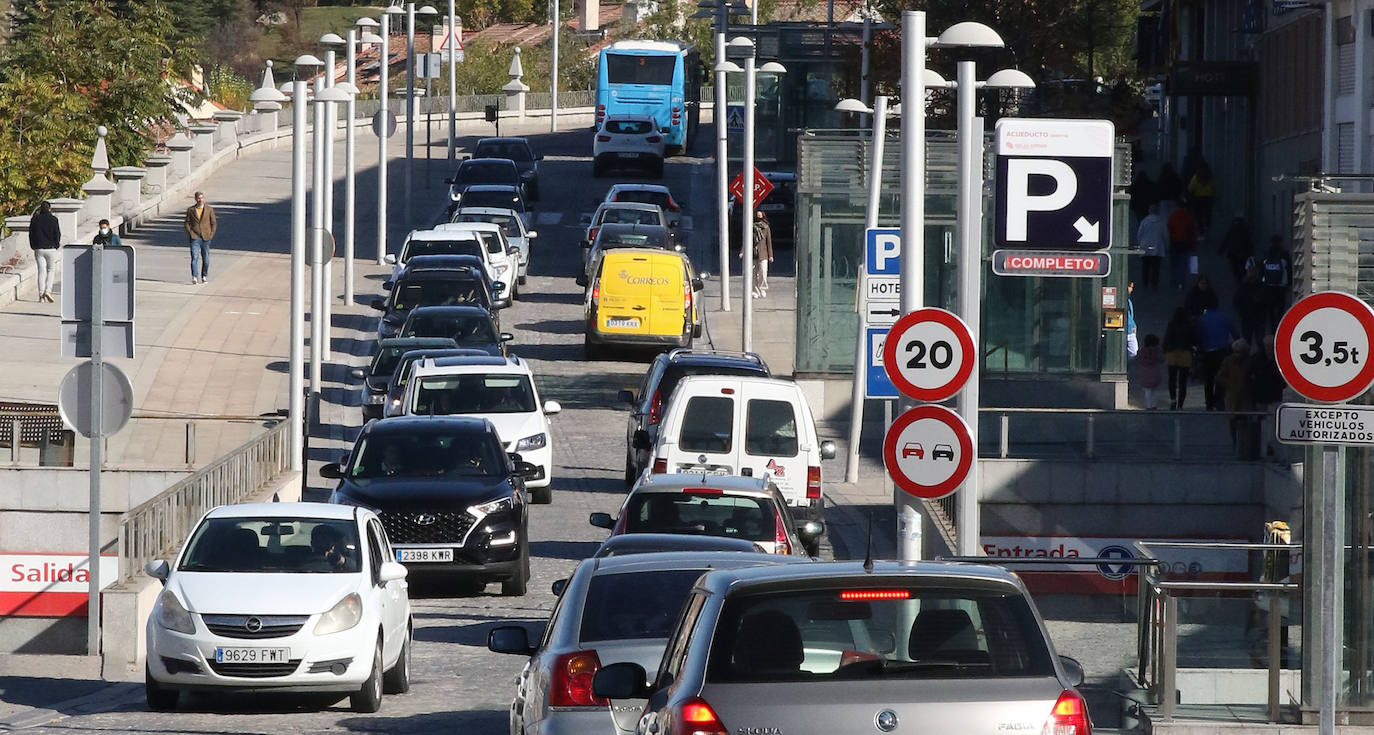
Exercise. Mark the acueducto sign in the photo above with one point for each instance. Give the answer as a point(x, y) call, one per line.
point(49, 585)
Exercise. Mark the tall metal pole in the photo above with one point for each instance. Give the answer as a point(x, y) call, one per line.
point(410, 112)
point(381, 138)
point(912, 282)
point(875, 185)
point(97, 447)
point(350, 190)
point(719, 115)
point(1330, 619)
point(553, 80)
point(317, 231)
point(970, 224)
point(452, 43)
point(747, 205)
point(296, 371)
point(327, 279)
point(864, 57)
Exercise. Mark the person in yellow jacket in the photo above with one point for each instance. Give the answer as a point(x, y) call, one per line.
point(1202, 192)
point(200, 229)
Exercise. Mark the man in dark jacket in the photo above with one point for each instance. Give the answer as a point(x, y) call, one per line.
point(45, 237)
point(763, 253)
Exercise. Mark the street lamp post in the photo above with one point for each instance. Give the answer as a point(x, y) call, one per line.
point(553, 78)
point(296, 362)
point(721, 11)
point(451, 43)
point(411, 12)
point(329, 40)
point(383, 72)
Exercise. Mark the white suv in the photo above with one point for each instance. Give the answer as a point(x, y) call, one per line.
point(500, 389)
point(628, 140)
point(463, 239)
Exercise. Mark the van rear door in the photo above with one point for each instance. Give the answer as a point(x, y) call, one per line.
point(623, 287)
point(668, 296)
point(774, 435)
point(707, 432)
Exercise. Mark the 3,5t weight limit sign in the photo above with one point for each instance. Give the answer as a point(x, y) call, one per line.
point(929, 354)
point(1322, 347)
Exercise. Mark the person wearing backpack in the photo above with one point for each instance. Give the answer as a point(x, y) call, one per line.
point(1276, 275)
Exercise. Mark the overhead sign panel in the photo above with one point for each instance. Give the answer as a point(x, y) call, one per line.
point(1054, 183)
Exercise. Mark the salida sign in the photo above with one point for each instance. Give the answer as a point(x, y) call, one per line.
point(49, 585)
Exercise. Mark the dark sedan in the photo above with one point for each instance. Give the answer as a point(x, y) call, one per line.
point(452, 501)
point(517, 151)
point(385, 360)
point(469, 326)
point(477, 171)
point(468, 286)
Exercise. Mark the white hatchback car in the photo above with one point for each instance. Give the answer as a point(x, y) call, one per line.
point(449, 239)
point(500, 389)
point(292, 597)
point(513, 225)
point(628, 140)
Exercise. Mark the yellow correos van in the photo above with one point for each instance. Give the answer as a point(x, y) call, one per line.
point(641, 296)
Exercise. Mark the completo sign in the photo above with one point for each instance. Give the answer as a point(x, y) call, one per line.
point(49, 585)
point(1043, 263)
point(1303, 424)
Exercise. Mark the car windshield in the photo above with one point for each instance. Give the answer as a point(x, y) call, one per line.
point(631, 240)
point(465, 330)
point(493, 242)
point(508, 223)
point(438, 292)
point(644, 197)
point(428, 454)
point(676, 371)
point(386, 360)
point(486, 172)
point(701, 513)
point(843, 633)
point(629, 127)
point(297, 545)
point(510, 149)
point(468, 246)
point(492, 198)
point(629, 217)
point(635, 605)
point(474, 393)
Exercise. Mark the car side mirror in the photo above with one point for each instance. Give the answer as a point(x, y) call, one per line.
point(379, 304)
point(332, 471)
point(582, 280)
point(558, 586)
point(158, 569)
point(357, 373)
point(513, 250)
point(601, 520)
point(626, 396)
point(532, 234)
point(810, 531)
point(507, 336)
point(390, 259)
point(527, 470)
point(552, 407)
point(704, 276)
point(509, 639)
point(697, 283)
point(391, 571)
point(640, 440)
point(1072, 670)
point(827, 449)
point(624, 680)
point(388, 285)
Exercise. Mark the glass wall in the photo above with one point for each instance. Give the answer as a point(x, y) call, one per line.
point(1030, 325)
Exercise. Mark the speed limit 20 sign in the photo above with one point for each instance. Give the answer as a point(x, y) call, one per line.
point(929, 354)
point(1322, 347)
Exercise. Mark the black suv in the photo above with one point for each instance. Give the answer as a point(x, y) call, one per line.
point(646, 407)
point(517, 151)
point(447, 287)
point(452, 501)
point(385, 360)
point(480, 171)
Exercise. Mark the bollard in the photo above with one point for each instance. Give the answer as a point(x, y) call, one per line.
point(190, 444)
point(16, 430)
point(1006, 433)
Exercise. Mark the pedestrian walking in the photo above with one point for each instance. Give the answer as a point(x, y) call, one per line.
point(763, 253)
point(1233, 376)
point(1237, 246)
point(1276, 274)
point(1149, 369)
point(1182, 245)
point(45, 237)
point(1251, 306)
point(1132, 340)
point(1200, 297)
point(200, 229)
point(1201, 194)
point(1180, 342)
point(1216, 333)
point(1153, 236)
point(105, 235)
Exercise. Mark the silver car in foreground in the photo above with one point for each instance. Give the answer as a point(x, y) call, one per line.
point(904, 647)
point(612, 610)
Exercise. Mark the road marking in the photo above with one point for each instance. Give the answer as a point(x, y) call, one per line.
point(548, 218)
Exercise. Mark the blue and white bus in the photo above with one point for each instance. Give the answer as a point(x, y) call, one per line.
point(659, 78)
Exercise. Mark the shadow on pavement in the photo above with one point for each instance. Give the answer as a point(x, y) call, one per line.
point(486, 720)
point(474, 634)
point(553, 326)
point(574, 550)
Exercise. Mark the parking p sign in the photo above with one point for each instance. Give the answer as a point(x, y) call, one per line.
point(1054, 184)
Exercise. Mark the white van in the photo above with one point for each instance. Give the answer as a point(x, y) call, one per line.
point(733, 425)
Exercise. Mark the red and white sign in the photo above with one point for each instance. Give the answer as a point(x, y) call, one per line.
point(49, 585)
point(928, 451)
point(1322, 346)
point(929, 354)
point(1047, 263)
point(1109, 577)
point(762, 187)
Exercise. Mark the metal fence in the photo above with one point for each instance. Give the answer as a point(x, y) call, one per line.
point(156, 527)
point(468, 103)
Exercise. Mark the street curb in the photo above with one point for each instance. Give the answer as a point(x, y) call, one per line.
point(102, 700)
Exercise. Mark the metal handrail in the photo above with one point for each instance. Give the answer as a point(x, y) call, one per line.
point(1091, 415)
point(160, 524)
point(1157, 622)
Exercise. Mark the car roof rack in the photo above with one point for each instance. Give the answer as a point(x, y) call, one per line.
point(756, 357)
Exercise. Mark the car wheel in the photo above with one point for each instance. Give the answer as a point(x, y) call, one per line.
point(515, 586)
point(397, 680)
point(542, 495)
point(368, 699)
point(520, 280)
point(591, 349)
point(160, 698)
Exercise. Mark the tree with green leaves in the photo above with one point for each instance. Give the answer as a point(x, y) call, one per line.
point(41, 143)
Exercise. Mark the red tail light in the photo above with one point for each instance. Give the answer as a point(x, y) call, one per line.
point(672, 205)
point(596, 292)
point(695, 717)
point(813, 482)
point(676, 110)
point(591, 234)
point(660, 466)
point(656, 408)
point(653, 139)
point(1069, 716)
point(600, 113)
point(603, 138)
point(572, 680)
point(851, 595)
point(780, 542)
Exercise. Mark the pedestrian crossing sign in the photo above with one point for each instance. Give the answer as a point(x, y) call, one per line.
point(734, 118)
